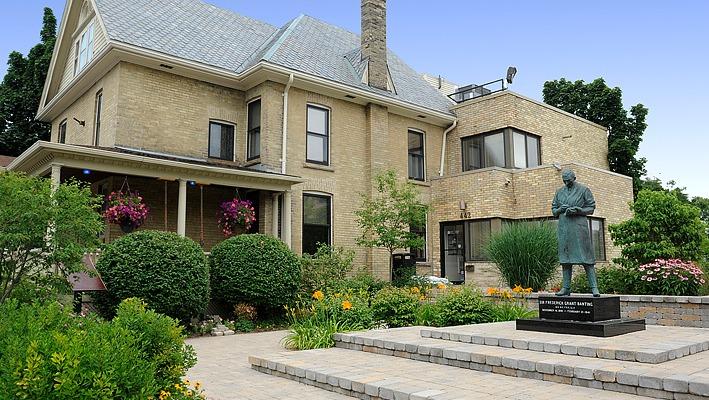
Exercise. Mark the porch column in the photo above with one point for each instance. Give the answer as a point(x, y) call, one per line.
point(181, 207)
point(274, 222)
point(56, 174)
point(287, 218)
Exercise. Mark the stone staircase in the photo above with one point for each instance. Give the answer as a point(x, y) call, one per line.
point(453, 363)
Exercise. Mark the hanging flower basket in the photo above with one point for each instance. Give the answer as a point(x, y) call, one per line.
point(126, 209)
point(234, 214)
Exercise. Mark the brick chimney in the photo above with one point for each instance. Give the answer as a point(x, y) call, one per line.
point(374, 41)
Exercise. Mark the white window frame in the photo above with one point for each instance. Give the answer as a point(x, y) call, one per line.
point(84, 48)
point(329, 133)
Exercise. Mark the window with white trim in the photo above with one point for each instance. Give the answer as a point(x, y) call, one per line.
point(317, 135)
point(416, 156)
point(221, 140)
point(253, 133)
point(84, 49)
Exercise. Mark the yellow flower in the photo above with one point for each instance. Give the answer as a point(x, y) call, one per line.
point(346, 305)
point(338, 295)
point(415, 290)
point(528, 290)
point(186, 381)
point(491, 291)
point(177, 386)
point(198, 385)
point(318, 295)
point(506, 295)
point(164, 395)
point(441, 285)
point(189, 393)
point(422, 298)
point(517, 288)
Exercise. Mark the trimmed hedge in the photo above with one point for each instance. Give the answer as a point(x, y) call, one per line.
point(255, 269)
point(167, 271)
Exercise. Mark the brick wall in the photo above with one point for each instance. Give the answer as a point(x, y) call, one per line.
point(84, 109)
point(520, 194)
point(564, 137)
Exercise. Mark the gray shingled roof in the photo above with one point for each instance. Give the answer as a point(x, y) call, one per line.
point(197, 31)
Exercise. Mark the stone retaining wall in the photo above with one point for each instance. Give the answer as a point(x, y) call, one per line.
point(689, 311)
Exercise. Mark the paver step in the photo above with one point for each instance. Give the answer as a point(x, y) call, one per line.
point(373, 376)
point(656, 344)
point(684, 378)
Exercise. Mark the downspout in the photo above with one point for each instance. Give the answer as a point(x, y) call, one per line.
point(284, 140)
point(443, 145)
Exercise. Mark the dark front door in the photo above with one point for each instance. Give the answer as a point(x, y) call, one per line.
point(453, 252)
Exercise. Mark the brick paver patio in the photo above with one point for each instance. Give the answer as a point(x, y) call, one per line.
point(226, 373)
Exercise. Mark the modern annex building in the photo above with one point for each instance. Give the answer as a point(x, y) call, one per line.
point(193, 105)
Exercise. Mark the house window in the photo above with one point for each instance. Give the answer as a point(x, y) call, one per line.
point(61, 137)
point(221, 141)
point(508, 148)
point(420, 231)
point(97, 117)
point(477, 235)
point(253, 133)
point(318, 135)
point(597, 238)
point(316, 221)
point(84, 49)
point(416, 157)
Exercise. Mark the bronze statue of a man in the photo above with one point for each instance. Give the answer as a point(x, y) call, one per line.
point(571, 204)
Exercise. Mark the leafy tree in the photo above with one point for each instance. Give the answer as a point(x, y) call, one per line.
point(43, 231)
point(603, 105)
point(663, 226)
point(386, 219)
point(21, 91)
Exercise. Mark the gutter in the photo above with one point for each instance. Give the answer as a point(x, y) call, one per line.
point(284, 139)
point(443, 144)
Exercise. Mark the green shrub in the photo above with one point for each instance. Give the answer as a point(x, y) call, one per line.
point(395, 307)
point(662, 227)
point(511, 310)
point(160, 340)
point(165, 270)
point(611, 279)
point(255, 269)
point(526, 253)
point(313, 323)
point(328, 264)
point(428, 314)
point(46, 353)
point(362, 282)
point(463, 306)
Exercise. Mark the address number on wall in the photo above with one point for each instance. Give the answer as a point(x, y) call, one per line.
point(465, 214)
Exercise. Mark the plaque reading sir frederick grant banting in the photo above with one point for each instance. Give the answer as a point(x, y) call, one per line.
point(579, 308)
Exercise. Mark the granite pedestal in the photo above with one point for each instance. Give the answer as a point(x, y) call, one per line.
point(581, 315)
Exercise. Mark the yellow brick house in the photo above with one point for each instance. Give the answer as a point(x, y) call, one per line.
point(193, 105)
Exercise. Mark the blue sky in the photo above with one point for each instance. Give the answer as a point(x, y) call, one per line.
point(656, 51)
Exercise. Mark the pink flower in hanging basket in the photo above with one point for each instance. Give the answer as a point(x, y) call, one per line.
point(235, 213)
point(126, 209)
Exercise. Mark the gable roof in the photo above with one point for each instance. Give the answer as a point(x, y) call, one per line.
point(197, 31)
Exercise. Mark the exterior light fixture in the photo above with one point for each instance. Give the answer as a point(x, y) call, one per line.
point(462, 205)
point(511, 72)
point(86, 172)
point(82, 123)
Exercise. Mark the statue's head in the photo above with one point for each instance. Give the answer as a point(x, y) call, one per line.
point(569, 177)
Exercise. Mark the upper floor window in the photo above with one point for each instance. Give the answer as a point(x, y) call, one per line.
point(508, 148)
point(61, 136)
point(97, 117)
point(221, 140)
point(84, 49)
point(253, 133)
point(416, 156)
point(316, 221)
point(318, 135)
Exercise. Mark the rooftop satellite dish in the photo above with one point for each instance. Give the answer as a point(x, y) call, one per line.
point(511, 72)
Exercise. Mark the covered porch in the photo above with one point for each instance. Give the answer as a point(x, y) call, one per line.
point(183, 194)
